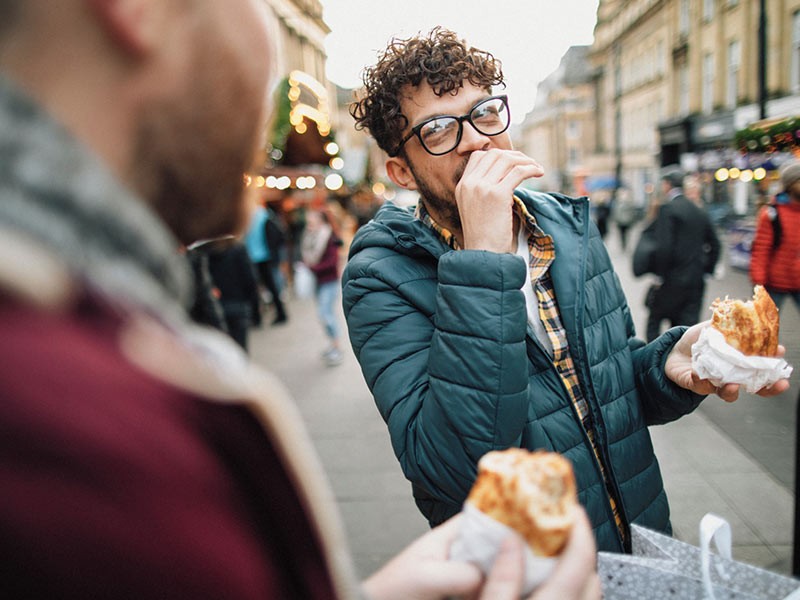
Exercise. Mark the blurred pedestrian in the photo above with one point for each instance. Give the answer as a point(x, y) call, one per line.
point(625, 214)
point(693, 190)
point(205, 308)
point(233, 277)
point(275, 231)
point(142, 456)
point(320, 252)
point(602, 211)
point(257, 243)
point(775, 254)
point(687, 249)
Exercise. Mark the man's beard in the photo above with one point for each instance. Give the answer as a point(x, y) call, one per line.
point(192, 152)
point(197, 191)
point(442, 204)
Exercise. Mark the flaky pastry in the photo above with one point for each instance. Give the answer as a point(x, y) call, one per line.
point(531, 492)
point(751, 327)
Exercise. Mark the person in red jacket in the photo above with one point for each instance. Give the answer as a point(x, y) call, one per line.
point(775, 258)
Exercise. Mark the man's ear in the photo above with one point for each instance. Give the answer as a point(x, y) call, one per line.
point(400, 173)
point(132, 24)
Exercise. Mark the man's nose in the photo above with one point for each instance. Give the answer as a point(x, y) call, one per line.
point(471, 140)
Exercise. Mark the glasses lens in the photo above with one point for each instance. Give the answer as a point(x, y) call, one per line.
point(490, 117)
point(439, 135)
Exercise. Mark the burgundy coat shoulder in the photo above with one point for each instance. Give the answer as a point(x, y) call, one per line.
point(128, 469)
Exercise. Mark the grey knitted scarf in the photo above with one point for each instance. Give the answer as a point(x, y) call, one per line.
point(57, 193)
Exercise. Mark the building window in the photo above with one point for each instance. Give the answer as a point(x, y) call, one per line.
point(734, 64)
point(708, 10)
point(794, 80)
point(708, 83)
point(683, 90)
point(574, 157)
point(573, 129)
point(683, 19)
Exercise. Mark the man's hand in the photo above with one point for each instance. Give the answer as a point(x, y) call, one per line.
point(422, 571)
point(574, 578)
point(679, 370)
point(485, 197)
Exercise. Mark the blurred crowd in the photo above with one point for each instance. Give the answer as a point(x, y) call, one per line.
point(292, 248)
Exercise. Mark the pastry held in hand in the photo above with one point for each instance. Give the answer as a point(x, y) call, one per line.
point(741, 344)
point(531, 492)
point(751, 327)
point(517, 492)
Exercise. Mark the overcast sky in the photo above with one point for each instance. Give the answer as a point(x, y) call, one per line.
point(528, 36)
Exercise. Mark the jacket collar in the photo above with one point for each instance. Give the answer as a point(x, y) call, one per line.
point(397, 227)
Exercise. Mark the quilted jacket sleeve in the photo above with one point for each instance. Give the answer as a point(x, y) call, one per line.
point(662, 401)
point(451, 386)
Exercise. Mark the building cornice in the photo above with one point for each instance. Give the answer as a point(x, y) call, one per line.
point(305, 25)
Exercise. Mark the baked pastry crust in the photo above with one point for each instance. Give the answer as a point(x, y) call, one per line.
point(751, 327)
point(531, 492)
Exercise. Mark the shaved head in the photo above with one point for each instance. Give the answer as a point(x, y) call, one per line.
point(171, 94)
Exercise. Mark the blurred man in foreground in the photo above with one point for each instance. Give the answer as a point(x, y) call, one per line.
point(142, 456)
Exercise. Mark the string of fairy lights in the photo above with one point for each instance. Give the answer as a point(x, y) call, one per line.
point(306, 100)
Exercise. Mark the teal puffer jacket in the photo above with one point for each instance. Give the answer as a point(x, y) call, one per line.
point(444, 345)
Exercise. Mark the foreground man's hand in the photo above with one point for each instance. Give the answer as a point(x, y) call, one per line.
point(679, 370)
point(574, 578)
point(485, 197)
point(422, 571)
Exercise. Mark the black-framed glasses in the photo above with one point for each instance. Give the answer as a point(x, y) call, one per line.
point(440, 135)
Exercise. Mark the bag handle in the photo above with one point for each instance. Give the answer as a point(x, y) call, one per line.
point(718, 529)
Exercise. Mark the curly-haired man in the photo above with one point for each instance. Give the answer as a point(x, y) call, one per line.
point(490, 316)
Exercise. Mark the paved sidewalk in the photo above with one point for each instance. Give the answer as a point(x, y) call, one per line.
point(705, 469)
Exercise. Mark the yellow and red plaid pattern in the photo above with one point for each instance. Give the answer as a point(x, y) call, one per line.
point(542, 254)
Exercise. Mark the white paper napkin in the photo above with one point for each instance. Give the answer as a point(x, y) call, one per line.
point(719, 362)
point(480, 539)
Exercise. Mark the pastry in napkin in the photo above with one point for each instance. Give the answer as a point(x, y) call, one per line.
point(751, 327)
point(533, 493)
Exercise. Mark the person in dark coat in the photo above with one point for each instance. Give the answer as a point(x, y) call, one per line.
point(206, 308)
point(233, 276)
point(687, 251)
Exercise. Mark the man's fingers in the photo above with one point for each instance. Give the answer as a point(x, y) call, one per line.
point(448, 530)
point(505, 579)
point(728, 392)
point(494, 165)
point(773, 390)
point(449, 578)
point(575, 575)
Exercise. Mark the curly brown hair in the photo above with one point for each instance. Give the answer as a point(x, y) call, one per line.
point(440, 59)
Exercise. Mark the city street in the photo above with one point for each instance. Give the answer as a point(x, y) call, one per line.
point(736, 460)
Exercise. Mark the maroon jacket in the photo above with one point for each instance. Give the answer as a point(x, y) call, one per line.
point(141, 456)
point(115, 483)
point(327, 269)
